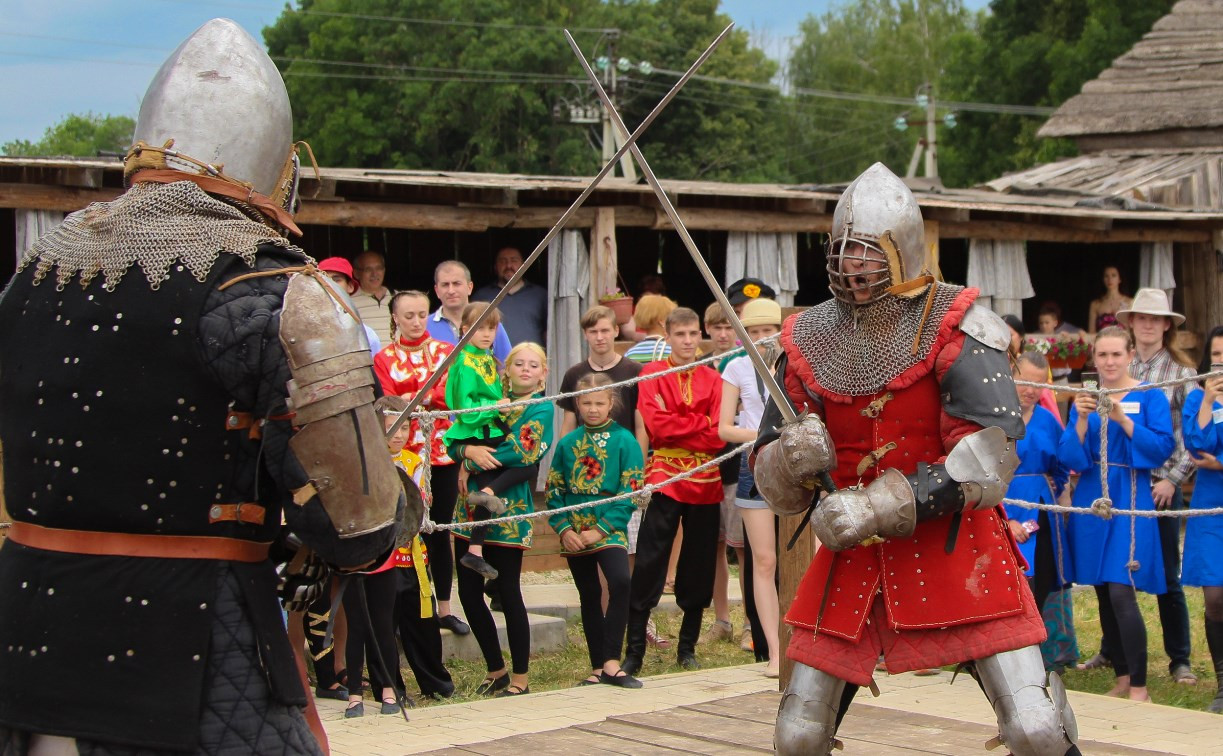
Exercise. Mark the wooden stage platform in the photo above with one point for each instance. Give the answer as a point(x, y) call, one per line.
point(744, 724)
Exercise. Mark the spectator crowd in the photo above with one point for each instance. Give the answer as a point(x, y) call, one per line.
point(658, 408)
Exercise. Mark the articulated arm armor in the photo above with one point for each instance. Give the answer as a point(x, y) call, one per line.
point(341, 445)
point(975, 476)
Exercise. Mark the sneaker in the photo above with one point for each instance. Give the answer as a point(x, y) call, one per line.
point(1181, 673)
point(689, 662)
point(745, 641)
point(473, 562)
point(1096, 662)
point(720, 630)
point(654, 639)
point(494, 504)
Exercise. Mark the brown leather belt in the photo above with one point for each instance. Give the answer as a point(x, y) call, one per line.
point(100, 543)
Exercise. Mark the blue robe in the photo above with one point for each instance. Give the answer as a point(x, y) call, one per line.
point(1040, 478)
point(1202, 560)
point(1099, 548)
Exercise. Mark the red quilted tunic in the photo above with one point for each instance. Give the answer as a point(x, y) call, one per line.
point(920, 586)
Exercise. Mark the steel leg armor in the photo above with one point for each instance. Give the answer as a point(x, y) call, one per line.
point(1034, 716)
point(807, 716)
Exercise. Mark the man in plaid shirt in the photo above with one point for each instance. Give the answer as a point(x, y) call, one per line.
point(1158, 359)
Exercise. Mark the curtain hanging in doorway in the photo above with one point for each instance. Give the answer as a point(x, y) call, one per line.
point(32, 224)
point(770, 257)
point(569, 282)
point(1000, 270)
point(1155, 269)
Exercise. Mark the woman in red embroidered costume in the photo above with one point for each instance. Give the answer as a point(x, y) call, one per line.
point(402, 368)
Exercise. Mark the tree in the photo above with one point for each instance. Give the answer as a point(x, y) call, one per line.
point(872, 47)
point(471, 84)
point(1032, 53)
point(78, 135)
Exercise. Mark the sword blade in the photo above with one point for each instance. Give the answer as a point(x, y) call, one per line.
point(629, 143)
point(766, 375)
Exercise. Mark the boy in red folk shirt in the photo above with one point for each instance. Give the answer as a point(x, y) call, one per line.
point(681, 417)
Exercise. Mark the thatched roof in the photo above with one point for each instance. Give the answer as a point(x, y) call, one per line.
point(1172, 80)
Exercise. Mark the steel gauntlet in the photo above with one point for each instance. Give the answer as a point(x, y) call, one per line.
point(787, 470)
point(885, 508)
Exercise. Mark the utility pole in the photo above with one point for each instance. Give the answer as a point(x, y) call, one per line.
point(612, 140)
point(929, 142)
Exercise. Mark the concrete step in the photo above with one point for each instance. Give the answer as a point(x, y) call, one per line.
point(547, 634)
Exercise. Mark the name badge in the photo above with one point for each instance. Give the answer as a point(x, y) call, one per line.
point(1217, 415)
point(1131, 408)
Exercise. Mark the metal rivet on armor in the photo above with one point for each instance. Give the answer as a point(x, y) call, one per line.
point(69, 497)
point(57, 463)
point(95, 327)
point(987, 590)
point(985, 380)
point(43, 649)
point(203, 606)
point(75, 360)
point(165, 451)
point(174, 332)
point(179, 454)
point(85, 408)
point(834, 603)
point(50, 591)
point(233, 421)
point(130, 652)
point(25, 583)
point(178, 321)
point(128, 600)
point(191, 409)
point(33, 434)
point(149, 481)
point(860, 595)
point(919, 571)
point(215, 512)
point(144, 602)
point(182, 401)
point(110, 658)
point(921, 582)
point(66, 360)
point(195, 657)
point(118, 316)
point(161, 496)
point(995, 410)
point(1008, 572)
point(144, 507)
point(40, 401)
point(173, 483)
point(174, 418)
point(79, 444)
point(183, 441)
point(67, 321)
point(59, 442)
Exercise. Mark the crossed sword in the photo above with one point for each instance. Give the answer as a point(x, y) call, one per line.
point(630, 145)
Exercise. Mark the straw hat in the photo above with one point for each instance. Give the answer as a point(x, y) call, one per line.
point(1150, 302)
point(761, 312)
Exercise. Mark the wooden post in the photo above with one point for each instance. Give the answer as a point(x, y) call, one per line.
point(792, 565)
point(932, 252)
point(1200, 276)
point(603, 264)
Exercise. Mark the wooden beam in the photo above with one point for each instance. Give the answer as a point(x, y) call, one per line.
point(603, 261)
point(807, 206)
point(1010, 230)
point(792, 565)
point(395, 215)
point(710, 219)
point(65, 199)
point(957, 214)
point(932, 250)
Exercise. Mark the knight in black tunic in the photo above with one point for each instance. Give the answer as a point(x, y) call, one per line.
point(143, 414)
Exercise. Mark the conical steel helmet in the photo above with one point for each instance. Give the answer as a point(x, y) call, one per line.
point(222, 101)
point(877, 220)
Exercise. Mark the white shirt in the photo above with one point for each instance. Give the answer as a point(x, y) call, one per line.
point(740, 374)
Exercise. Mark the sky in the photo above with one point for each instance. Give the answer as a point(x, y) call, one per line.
point(76, 56)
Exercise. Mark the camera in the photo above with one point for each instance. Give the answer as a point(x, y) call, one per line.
point(1091, 379)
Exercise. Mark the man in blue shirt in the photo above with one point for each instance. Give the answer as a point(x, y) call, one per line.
point(524, 310)
point(452, 284)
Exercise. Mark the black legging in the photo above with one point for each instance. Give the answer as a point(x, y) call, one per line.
point(445, 483)
point(604, 632)
point(508, 563)
point(421, 638)
point(1121, 622)
point(380, 589)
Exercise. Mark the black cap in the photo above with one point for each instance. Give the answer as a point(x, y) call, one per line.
point(749, 288)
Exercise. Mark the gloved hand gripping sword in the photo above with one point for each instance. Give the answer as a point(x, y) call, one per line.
point(801, 458)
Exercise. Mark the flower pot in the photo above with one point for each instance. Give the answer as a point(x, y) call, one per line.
point(1077, 363)
point(1057, 362)
point(622, 307)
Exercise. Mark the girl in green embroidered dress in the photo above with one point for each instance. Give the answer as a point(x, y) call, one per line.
point(598, 460)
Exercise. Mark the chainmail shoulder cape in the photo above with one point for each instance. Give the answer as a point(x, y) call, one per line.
point(153, 225)
point(856, 351)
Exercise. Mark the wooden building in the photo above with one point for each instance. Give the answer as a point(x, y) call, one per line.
point(1150, 130)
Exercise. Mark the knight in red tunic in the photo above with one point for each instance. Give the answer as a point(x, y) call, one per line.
point(910, 379)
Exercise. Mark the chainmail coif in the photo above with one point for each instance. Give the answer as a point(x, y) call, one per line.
point(153, 225)
point(857, 350)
